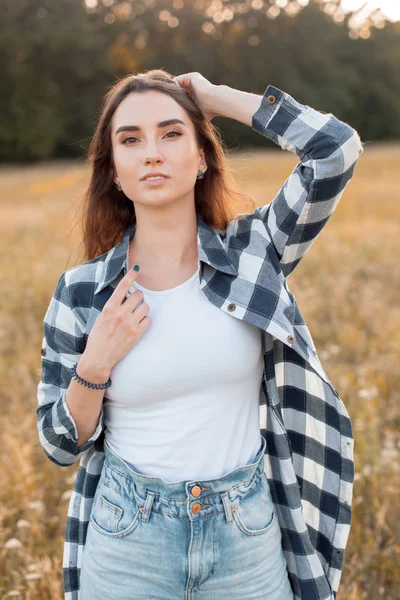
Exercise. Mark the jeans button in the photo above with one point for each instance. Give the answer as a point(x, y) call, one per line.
point(196, 508)
point(196, 491)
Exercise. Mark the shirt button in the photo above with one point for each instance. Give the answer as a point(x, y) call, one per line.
point(43, 351)
point(290, 339)
point(231, 307)
point(271, 99)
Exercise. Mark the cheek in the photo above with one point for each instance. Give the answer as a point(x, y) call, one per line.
point(124, 160)
point(188, 161)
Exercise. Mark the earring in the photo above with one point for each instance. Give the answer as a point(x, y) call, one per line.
point(118, 185)
point(201, 174)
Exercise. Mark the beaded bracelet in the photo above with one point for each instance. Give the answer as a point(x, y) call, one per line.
point(95, 386)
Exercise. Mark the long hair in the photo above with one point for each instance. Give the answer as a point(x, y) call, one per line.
point(107, 212)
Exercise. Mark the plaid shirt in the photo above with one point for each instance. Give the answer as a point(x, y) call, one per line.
point(309, 452)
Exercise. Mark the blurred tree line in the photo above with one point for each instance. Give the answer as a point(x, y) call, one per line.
point(58, 59)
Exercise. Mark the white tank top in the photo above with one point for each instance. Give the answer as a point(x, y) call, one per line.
point(184, 401)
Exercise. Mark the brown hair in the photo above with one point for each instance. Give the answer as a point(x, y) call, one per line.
point(107, 212)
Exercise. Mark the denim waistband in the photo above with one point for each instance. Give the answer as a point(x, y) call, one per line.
point(174, 497)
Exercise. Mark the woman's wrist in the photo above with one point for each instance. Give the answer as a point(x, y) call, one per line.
point(91, 371)
point(235, 104)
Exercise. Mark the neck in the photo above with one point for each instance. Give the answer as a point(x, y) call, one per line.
point(165, 240)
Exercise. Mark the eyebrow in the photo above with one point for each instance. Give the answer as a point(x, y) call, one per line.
point(160, 124)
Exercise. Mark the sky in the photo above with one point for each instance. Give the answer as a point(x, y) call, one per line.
point(390, 8)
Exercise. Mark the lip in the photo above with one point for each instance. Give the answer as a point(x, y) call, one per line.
point(155, 174)
point(155, 181)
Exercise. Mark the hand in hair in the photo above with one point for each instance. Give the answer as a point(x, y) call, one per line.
point(202, 92)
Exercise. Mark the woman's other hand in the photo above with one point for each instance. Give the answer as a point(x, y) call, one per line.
point(202, 92)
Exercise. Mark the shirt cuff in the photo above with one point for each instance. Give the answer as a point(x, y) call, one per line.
point(67, 425)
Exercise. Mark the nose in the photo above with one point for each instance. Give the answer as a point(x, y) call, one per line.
point(152, 154)
point(152, 160)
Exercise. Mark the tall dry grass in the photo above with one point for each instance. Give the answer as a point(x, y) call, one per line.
point(347, 288)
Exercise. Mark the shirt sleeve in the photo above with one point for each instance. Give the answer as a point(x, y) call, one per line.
point(328, 150)
point(62, 346)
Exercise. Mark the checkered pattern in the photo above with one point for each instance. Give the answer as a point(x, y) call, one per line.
point(244, 269)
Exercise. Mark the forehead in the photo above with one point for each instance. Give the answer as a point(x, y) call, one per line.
point(146, 109)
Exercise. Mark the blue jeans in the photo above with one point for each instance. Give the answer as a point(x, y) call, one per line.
point(214, 539)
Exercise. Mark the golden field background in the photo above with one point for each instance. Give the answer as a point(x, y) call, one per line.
point(347, 288)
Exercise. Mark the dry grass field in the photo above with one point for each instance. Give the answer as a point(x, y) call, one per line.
point(347, 288)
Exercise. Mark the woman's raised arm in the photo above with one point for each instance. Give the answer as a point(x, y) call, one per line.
point(328, 150)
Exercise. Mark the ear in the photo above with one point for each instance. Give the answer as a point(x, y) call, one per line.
point(202, 163)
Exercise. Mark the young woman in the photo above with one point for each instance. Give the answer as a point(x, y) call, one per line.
point(216, 457)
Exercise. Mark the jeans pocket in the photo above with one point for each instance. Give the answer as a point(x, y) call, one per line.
point(254, 511)
point(114, 515)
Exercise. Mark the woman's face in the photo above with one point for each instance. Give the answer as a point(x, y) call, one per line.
point(140, 146)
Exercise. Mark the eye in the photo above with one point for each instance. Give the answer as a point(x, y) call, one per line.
point(178, 133)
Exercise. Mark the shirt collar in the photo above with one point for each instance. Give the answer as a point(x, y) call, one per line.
point(211, 250)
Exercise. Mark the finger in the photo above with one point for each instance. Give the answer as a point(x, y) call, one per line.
point(118, 295)
point(138, 313)
point(135, 299)
point(184, 81)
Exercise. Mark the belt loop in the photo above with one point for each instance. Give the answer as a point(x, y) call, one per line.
point(146, 510)
point(227, 507)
